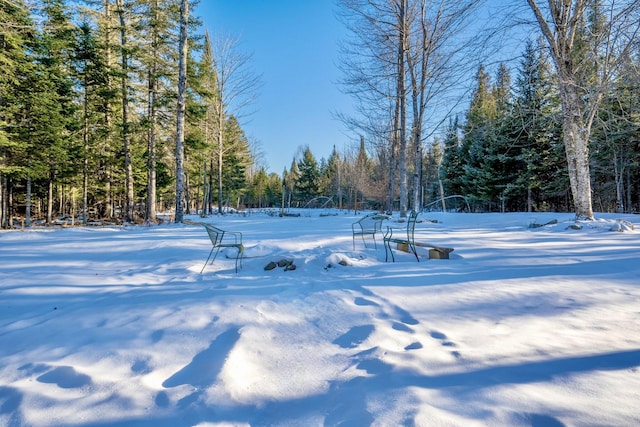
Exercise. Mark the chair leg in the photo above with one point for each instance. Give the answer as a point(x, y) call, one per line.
point(207, 261)
point(239, 256)
point(414, 250)
point(216, 255)
point(387, 250)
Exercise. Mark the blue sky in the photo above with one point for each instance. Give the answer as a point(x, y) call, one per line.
point(294, 44)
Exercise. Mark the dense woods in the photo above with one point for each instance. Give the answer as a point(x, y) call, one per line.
point(100, 122)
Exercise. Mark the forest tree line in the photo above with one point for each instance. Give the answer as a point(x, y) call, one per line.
point(562, 136)
point(88, 117)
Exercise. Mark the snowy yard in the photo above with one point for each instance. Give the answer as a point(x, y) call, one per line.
point(523, 326)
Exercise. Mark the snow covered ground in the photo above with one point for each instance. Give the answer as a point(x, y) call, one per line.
point(115, 326)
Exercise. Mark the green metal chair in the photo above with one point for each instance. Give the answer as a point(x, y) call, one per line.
point(224, 239)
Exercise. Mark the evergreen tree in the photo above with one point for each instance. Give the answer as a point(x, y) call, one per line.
point(108, 148)
point(307, 182)
point(16, 39)
point(537, 133)
point(274, 190)
point(616, 144)
point(92, 75)
point(502, 160)
point(236, 161)
point(431, 162)
point(290, 179)
point(53, 108)
point(259, 189)
point(479, 136)
point(332, 178)
point(451, 169)
point(155, 61)
point(360, 176)
point(487, 152)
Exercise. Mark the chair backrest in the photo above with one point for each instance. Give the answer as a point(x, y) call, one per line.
point(371, 222)
point(411, 225)
point(215, 234)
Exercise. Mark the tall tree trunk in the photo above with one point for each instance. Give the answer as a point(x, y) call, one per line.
point(419, 78)
point(211, 165)
point(27, 220)
point(187, 190)
point(3, 200)
point(50, 201)
point(9, 203)
point(182, 93)
point(108, 202)
point(220, 159)
point(152, 114)
point(560, 33)
point(618, 173)
point(85, 160)
point(417, 177)
point(205, 190)
point(393, 150)
point(151, 151)
point(576, 142)
point(126, 141)
point(402, 101)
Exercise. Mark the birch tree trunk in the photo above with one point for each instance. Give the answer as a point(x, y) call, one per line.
point(576, 135)
point(560, 30)
point(182, 92)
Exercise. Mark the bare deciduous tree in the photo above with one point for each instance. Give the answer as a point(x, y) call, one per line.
point(235, 87)
point(434, 67)
point(403, 54)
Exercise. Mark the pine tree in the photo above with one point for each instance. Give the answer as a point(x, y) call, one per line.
point(53, 109)
point(332, 178)
point(431, 162)
point(260, 196)
point(290, 179)
point(236, 161)
point(92, 75)
point(307, 182)
point(502, 159)
point(16, 39)
point(451, 169)
point(479, 135)
point(274, 190)
point(108, 147)
point(616, 136)
point(536, 132)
